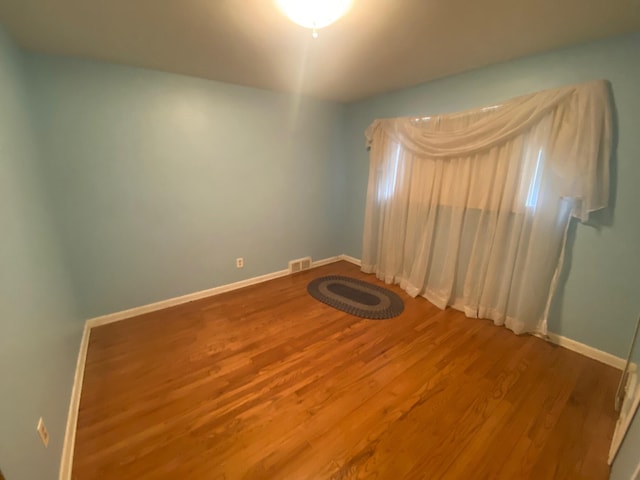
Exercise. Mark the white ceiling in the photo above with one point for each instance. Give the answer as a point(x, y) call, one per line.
point(380, 45)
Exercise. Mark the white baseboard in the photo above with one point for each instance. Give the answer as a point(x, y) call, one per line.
point(74, 404)
point(347, 258)
point(326, 261)
point(190, 297)
point(588, 351)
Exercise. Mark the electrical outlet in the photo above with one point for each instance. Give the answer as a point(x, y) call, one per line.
point(239, 262)
point(44, 434)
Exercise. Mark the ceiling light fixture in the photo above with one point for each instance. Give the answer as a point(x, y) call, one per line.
point(314, 14)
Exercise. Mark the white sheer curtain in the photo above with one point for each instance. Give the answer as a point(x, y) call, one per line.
point(471, 209)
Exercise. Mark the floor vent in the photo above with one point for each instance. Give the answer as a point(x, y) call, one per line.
point(299, 264)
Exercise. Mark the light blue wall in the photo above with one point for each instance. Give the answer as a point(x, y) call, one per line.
point(600, 299)
point(39, 329)
point(160, 181)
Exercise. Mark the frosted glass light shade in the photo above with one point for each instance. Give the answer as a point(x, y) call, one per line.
point(314, 13)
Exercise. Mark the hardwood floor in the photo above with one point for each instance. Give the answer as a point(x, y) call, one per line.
point(266, 382)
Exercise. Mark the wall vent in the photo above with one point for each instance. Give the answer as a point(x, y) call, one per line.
point(300, 264)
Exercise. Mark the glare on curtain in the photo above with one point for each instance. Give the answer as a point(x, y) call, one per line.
point(472, 209)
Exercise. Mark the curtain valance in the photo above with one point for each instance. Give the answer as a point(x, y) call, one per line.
point(578, 146)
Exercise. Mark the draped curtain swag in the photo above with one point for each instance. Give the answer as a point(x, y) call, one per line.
point(471, 209)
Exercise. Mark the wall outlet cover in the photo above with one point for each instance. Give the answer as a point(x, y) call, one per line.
point(42, 431)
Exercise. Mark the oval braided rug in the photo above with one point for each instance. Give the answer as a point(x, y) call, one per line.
point(356, 297)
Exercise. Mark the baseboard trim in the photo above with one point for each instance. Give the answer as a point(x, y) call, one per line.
point(326, 261)
point(587, 351)
point(68, 446)
point(190, 297)
point(350, 259)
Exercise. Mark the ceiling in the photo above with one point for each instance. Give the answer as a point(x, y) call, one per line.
point(379, 46)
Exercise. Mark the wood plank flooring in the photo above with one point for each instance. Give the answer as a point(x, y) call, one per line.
point(266, 382)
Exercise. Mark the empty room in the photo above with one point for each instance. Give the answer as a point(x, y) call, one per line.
point(319, 239)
